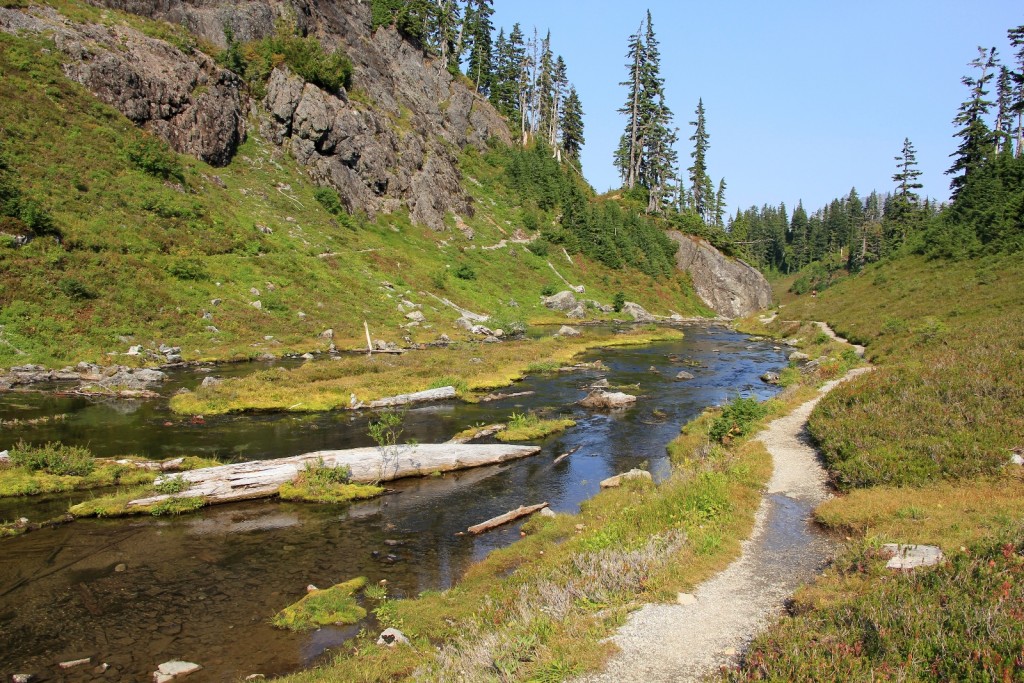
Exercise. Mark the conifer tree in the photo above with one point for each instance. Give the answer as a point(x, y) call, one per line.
point(478, 31)
point(699, 181)
point(443, 33)
point(907, 173)
point(572, 126)
point(1016, 36)
point(976, 138)
point(627, 156)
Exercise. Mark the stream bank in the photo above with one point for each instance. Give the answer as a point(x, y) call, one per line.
point(191, 582)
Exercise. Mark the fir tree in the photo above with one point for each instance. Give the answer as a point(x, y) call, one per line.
point(478, 31)
point(907, 173)
point(976, 138)
point(627, 156)
point(1004, 111)
point(572, 126)
point(699, 181)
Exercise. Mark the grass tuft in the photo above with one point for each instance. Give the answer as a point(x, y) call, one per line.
point(334, 605)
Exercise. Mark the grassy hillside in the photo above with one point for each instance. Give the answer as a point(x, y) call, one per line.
point(923, 447)
point(151, 238)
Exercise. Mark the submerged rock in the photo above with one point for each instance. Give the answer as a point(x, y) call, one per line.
point(770, 377)
point(173, 669)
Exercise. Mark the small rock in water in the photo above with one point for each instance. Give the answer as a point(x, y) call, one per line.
point(392, 637)
point(71, 664)
point(310, 588)
point(683, 374)
point(172, 669)
point(567, 331)
point(547, 512)
point(255, 677)
point(120, 567)
point(770, 378)
point(308, 356)
point(22, 678)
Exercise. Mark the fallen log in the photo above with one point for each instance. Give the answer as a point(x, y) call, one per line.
point(511, 516)
point(563, 456)
point(262, 478)
point(441, 394)
point(498, 396)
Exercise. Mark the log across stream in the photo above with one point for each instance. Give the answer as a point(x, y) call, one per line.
point(262, 478)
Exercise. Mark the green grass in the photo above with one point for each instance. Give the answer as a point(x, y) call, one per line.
point(142, 261)
point(318, 483)
point(921, 446)
point(328, 385)
point(334, 605)
point(530, 426)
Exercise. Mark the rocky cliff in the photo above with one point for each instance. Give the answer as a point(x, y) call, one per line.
point(730, 287)
point(393, 142)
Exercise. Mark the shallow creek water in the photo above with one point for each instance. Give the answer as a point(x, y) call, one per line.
point(202, 587)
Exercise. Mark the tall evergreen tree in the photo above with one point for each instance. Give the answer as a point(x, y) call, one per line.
point(976, 138)
point(627, 155)
point(1016, 36)
point(907, 173)
point(1004, 111)
point(478, 30)
point(572, 126)
point(699, 180)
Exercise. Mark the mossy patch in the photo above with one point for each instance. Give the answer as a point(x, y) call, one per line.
point(530, 426)
point(334, 605)
point(330, 494)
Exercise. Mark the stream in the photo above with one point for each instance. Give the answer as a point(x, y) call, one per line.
point(133, 593)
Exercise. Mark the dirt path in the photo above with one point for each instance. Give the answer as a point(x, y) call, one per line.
point(687, 642)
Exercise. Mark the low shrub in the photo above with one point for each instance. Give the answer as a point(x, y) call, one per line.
point(736, 419)
point(53, 458)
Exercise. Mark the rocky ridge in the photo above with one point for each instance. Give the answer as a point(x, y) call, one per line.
point(394, 143)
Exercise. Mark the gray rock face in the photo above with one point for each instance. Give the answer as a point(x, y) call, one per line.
point(729, 287)
point(563, 301)
point(186, 99)
point(637, 312)
point(397, 150)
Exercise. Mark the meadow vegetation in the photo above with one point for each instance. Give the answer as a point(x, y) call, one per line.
point(921, 448)
point(334, 605)
point(530, 426)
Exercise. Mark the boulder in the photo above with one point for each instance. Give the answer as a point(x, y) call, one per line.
point(907, 557)
point(563, 301)
point(683, 375)
point(608, 400)
point(327, 334)
point(464, 323)
point(798, 356)
point(258, 305)
point(491, 339)
point(770, 377)
point(616, 481)
point(577, 313)
point(566, 331)
point(211, 381)
point(392, 637)
point(730, 287)
point(416, 316)
point(638, 313)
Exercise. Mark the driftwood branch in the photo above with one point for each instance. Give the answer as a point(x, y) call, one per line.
point(494, 522)
point(563, 456)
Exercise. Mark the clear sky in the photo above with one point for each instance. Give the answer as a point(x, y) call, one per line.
point(804, 99)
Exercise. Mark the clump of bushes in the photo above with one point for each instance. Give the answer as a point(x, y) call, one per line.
point(736, 419)
point(53, 458)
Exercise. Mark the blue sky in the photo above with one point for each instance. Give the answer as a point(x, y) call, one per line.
point(804, 99)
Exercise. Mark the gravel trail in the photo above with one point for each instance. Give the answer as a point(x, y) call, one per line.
point(688, 642)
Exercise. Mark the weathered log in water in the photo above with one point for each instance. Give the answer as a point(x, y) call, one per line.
point(440, 394)
point(261, 478)
point(511, 516)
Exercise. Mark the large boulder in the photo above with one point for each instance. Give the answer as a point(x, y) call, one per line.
point(637, 312)
point(563, 301)
point(730, 287)
point(607, 400)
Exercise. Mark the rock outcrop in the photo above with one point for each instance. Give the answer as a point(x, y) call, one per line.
point(395, 145)
point(185, 98)
point(729, 287)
